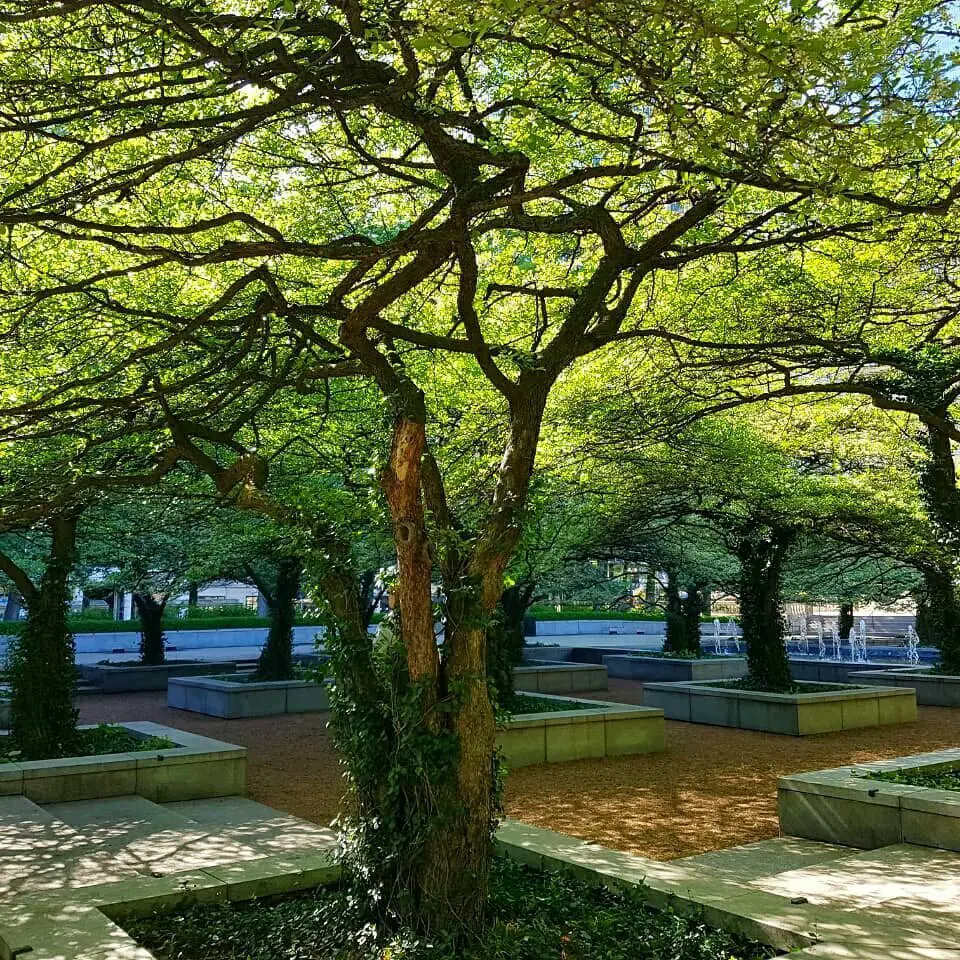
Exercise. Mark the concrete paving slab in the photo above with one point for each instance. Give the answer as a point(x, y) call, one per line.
point(765, 858)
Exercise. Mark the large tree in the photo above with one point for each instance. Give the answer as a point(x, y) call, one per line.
point(283, 194)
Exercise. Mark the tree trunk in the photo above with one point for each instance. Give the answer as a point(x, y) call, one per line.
point(276, 658)
point(845, 620)
point(43, 721)
point(193, 595)
point(152, 639)
point(938, 484)
point(761, 552)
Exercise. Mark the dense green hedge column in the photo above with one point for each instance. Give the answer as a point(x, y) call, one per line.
point(152, 639)
point(941, 496)
point(938, 617)
point(761, 552)
point(505, 639)
point(692, 607)
point(675, 636)
point(276, 658)
point(43, 721)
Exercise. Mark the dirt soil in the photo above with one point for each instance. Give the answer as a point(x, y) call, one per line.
point(713, 787)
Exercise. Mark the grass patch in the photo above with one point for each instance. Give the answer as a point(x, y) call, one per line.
point(106, 738)
point(534, 916)
point(936, 779)
point(530, 703)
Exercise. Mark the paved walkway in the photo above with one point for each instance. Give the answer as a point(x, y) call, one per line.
point(70, 871)
point(835, 903)
point(67, 871)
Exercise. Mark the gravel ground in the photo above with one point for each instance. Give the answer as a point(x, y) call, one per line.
point(711, 788)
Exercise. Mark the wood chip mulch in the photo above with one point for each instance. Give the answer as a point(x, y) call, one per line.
point(711, 788)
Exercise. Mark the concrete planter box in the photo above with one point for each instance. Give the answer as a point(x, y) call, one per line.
point(221, 698)
point(933, 689)
point(136, 677)
point(559, 678)
point(793, 714)
point(196, 768)
point(841, 806)
point(605, 730)
point(832, 671)
point(675, 670)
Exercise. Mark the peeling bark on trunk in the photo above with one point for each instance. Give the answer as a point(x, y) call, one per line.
point(401, 485)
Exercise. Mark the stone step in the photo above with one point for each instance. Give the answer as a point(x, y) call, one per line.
point(765, 858)
point(39, 851)
point(260, 827)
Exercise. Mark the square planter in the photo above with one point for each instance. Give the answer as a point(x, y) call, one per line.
point(932, 689)
point(842, 806)
point(673, 669)
point(223, 698)
point(602, 730)
point(136, 677)
point(832, 671)
point(792, 714)
point(196, 768)
point(549, 677)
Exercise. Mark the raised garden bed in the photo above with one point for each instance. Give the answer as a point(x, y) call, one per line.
point(232, 699)
point(591, 728)
point(532, 914)
point(793, 714)
point(136, 677)
point(830, 671)
point(193, 768)
point(849, 805)
point(548, 677)
point(932, 689)
point(645, 667)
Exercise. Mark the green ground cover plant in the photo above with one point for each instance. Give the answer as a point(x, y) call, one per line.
point(94, 742)
point(535, 916)
point(935, 779)
point(523, 703)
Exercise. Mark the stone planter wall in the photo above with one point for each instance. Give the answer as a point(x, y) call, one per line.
point(798, 714)
point(936, 690)
point(196, 768)
point(841, 806)
point(830, 671)
point(674, 670)
point(559, 678)
point(221, 698)
point(606, 730)
point(135, 677)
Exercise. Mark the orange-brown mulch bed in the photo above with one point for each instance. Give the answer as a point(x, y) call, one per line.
point(712, 787)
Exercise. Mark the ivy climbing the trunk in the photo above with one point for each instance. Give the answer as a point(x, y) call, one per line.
point(152, 638)
point(761, 550)
point(43, 721)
